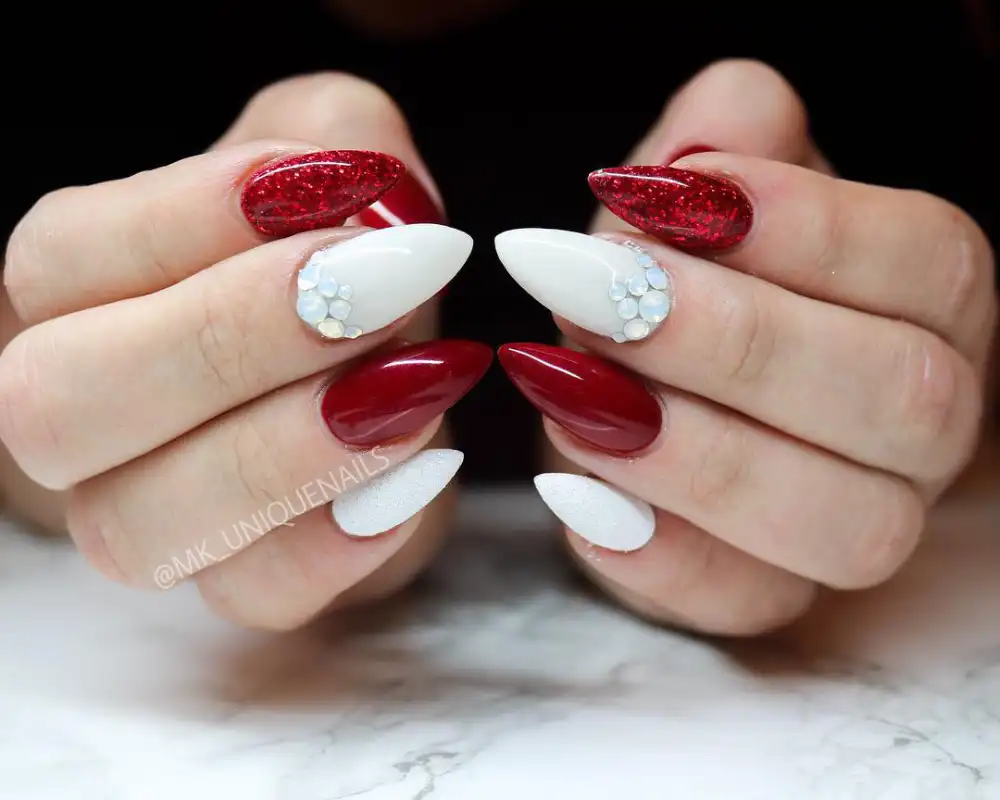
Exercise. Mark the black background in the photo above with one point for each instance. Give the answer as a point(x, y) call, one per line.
point(510, 115)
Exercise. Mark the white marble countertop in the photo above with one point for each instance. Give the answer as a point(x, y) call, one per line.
point(501, 676)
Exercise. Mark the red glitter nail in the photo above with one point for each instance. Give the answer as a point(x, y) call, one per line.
point(685, 209)
point(316, 190)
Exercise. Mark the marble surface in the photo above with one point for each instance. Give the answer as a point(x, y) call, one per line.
point(502, 676)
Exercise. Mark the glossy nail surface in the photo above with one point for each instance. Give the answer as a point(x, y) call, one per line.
point(404, 204)
point(396, 394)
point(316, 190)
point(360, 285)
point(686, 209)
point(595, 400)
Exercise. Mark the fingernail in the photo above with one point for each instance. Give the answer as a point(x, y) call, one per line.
point(316, 190)
point(615, 290)
point(395, 394)
point(394, 496)
point(600, 513)
point(406, 203)
point(691, 150)
point(686, 209)
point(590, 397)
point(360, 285)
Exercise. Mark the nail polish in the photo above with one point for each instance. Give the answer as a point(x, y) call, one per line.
point(391, 498)
point(598, 402)
point(316, 190)
point(406, 203)
point(395, 394)
point(602, 514)
point(615, 289)
point(686, 209)
point(360, 285)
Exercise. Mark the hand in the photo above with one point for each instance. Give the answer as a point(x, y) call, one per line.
point(165, 383)
point(793, 392)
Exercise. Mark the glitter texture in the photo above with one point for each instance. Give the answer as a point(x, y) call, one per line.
point(685, 209)
point(316, 190)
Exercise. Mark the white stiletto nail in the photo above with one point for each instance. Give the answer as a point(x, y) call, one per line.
point(358, 286)
point(600, 513)
point(615, 290)
point(394, 496)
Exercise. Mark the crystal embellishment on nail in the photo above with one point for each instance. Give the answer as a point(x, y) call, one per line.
point(322, 302)
point(613, 288)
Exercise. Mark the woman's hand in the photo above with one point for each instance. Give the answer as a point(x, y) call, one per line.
point(165, 383)
point(793, 392)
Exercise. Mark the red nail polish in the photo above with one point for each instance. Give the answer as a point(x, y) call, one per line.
point(685, 209)
point(406, 203)
point(691, 150)
point(316, 190)
point(590, 397)
point(396, 394)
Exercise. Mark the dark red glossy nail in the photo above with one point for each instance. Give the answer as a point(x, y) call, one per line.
point(316, 190)
point(396, 394)
point(406, 203)
point(691, 150)
point(590, 397)
point(686, 209)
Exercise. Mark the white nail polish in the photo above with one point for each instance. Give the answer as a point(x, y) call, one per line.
point(600, 513)
point(615, 290)
point(358, 286)
point(391, 498)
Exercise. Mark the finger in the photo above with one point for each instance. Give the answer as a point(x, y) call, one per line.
point(225, 485)
point(735, 106)
point(666, 568)
point(224, 336)
point(779, 500)
point(881, 392)
point(294, 574)
point(88, 246)
point(343, 112)
point(890, 252)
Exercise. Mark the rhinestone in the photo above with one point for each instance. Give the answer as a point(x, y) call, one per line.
point(331, 328)
point(308, 276)
point(644, 260)
point(619, 337)
point(353, 332)
point(636, 329)
point(339, 309)
point(311, 307)
point(628, 308)
point(656, 278)
point(345, 292)
point(617, 292)
point(654, 306)
point(637, 285)
point(327, 285)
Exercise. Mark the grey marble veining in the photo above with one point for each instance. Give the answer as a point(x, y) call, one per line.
point(501, 675)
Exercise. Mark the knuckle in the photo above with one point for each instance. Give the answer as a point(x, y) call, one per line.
point(746, 345)
point(722, 468)
point(221, 338)
point(95, 527)
point(898, 523)
point(256, 464)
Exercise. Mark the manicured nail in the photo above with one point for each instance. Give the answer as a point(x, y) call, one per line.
point(614, 289)
point(391, 498)
point(686, 209)
point(406, 203)
point(600, 513)
point(395, 394)
point(691, 150)
point(590, 397)
point(360, 285)
point(316, 190)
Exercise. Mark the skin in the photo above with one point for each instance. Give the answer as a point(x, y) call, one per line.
point(812, 420)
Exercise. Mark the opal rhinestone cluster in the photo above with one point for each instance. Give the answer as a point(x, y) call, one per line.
point(643, 299)
point(323, 303)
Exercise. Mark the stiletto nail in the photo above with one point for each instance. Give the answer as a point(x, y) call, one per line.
point(602, 514)
point(357, 286)
point(395, 394)
point(592, 398)
point(615, 290)
point(406, 203)
point(316, 190)
point(686, 209)
point(391, 498)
